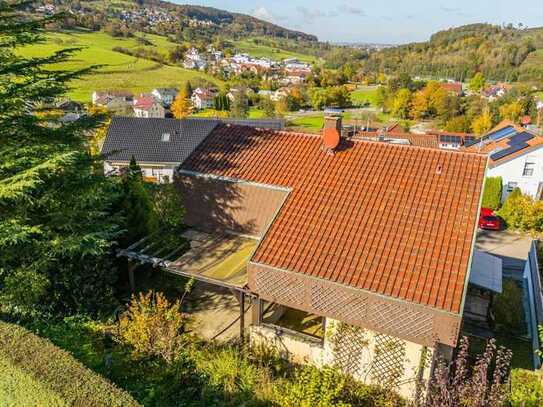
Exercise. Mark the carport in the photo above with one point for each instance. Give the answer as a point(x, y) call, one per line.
point(218, 259)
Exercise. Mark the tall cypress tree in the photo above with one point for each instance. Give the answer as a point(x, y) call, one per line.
point(57, 221)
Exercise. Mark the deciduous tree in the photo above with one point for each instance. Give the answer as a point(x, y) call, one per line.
point(182, 105)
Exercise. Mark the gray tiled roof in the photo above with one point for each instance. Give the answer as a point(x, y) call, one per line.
point(142, 138)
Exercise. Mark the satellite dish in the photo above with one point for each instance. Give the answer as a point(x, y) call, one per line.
point(331, 138)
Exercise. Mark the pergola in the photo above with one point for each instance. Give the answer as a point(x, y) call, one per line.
point(218, 259)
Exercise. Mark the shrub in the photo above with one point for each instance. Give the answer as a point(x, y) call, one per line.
point(327, 387)
point(508, 308)
point(152, 326)
point(458, 384)
point(35, 364)
point(492, 193)
point(522, 213)
point(526, 389)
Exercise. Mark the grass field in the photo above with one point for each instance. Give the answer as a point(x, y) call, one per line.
point(258, 50)
point(314, 122)
point(365, 94)
point(119, 71)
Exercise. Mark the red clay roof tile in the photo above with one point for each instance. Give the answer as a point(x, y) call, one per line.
point(396, 220)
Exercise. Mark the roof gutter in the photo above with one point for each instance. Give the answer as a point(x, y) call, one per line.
point(472, 251)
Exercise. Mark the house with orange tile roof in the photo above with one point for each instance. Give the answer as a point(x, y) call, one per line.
point(516, 155)
point(353, 252)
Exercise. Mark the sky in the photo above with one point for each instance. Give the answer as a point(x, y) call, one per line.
point(393, 21)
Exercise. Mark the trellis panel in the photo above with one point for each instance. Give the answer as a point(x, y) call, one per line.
point(385, 315)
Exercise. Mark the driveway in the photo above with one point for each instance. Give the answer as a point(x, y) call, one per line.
point(511, 247)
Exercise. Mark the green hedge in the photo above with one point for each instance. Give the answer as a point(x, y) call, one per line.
point(526, 389)
point(37, 367)
point(492, 193)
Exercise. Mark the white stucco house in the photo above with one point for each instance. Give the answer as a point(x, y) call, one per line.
point(516, 155)
point(148, 107)
point(165, 95)
point(203, 98)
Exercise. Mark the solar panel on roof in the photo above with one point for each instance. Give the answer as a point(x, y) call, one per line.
point(520, 138)
point(507, 151)
point(445, 138)
point(499, 134)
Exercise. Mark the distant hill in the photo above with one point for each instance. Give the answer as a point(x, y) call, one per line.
point(185, 22)
point(501, 53)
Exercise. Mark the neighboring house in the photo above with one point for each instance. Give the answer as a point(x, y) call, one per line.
point(235, 92)
point(166, 96)
point(161, 145)
point(448, 140)
point(497, 91)
point(158, 145)
point(419, 140)
point(346, 265)
point(193, 60)
point(203, 98)
point(454, 88)
point(69, 106)
point(514, 154)
point(103, 98)
point(275, 95)
point(147, 106)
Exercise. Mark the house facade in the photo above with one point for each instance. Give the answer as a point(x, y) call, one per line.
point(165, 95)
point(146, 106)
point(514, 154)
point(203, 98)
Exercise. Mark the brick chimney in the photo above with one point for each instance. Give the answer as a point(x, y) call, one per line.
point(331, 133)
point(333, 122)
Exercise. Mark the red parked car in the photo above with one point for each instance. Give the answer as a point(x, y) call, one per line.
point(489, 221)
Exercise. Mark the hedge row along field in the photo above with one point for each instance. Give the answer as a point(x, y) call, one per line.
point(33, 371)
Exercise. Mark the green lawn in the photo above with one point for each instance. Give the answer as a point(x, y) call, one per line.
point(365, 94)
point(119, 71)
point(314, 122)
point(259, 50)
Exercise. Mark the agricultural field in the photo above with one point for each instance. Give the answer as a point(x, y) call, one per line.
point(260, 50)
point(117, 70)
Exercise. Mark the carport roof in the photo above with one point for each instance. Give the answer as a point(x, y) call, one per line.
point(220, 259)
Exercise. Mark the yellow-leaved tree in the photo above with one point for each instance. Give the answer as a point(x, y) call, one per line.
point(182, 105)
point(482, 124)
point(511, 111)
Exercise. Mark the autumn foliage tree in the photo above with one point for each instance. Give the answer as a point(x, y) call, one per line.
point(482, 124)
point(182, 105)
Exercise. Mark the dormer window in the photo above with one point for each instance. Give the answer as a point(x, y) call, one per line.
point(165, 137)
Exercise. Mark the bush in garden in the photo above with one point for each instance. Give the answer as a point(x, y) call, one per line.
point(484, 384)
point(152, 326)
point(526, 389)
point(492, 193)
point(522, 212)
point(508, 308)
point(327, 387)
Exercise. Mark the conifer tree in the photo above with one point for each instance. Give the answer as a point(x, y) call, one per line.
point(57, 221)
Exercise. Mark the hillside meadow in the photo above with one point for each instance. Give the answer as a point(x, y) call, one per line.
point(117, 70)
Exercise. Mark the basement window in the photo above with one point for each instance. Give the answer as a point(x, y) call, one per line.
point(293, 320)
